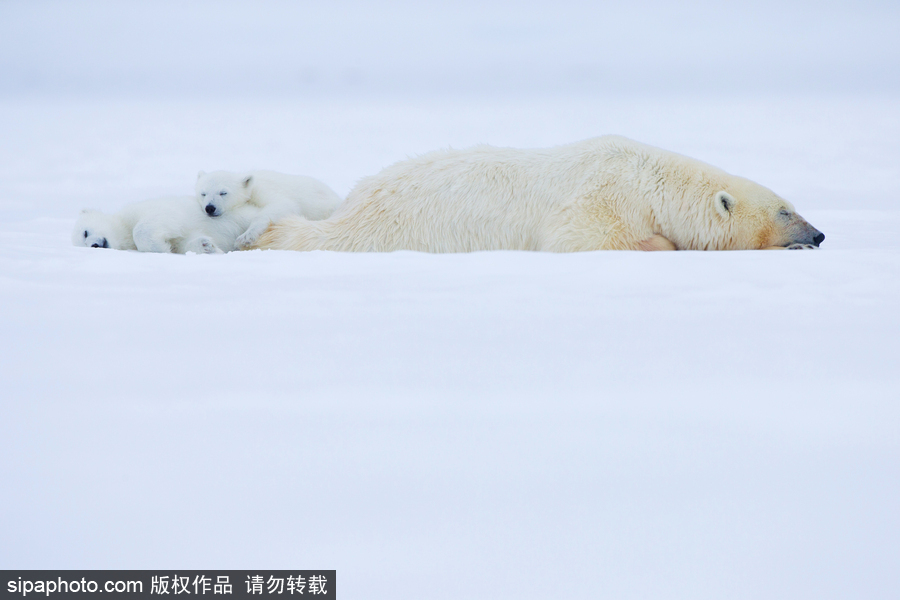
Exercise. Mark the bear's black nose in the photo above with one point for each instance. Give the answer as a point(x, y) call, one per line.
point(819, 238)
point(101, 244)
point(210, 209)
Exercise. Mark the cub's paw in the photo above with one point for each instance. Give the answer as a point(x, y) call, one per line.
point(204, 245)
point(246, 240)
point(208, 247)
point(802, 247)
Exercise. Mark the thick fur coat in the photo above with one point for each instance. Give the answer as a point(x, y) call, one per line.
point(606, 193)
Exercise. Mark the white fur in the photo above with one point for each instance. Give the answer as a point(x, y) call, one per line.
point(171, 224)
point(259, 198)
point(606, 193)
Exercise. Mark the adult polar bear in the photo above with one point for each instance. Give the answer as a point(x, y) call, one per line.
point(606, 193)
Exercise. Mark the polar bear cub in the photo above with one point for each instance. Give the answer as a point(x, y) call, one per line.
point(169, 224)
point(257, 199)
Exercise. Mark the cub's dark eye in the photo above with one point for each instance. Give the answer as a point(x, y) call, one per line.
point(784, 212)
point(85, 234)
point(203, 194)
point(222, 193)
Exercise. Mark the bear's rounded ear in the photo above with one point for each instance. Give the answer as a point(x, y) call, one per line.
point(247, 180)
point(724, 203)
point(201, 174)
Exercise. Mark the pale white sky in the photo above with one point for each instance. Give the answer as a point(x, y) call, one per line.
point(221, 48)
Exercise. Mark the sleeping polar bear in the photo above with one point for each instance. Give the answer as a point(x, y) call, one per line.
point(170, 224)
point(605, 193)
point(259, 198)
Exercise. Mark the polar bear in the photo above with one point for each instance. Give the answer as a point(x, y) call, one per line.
point(170, 224)
point(260, 198)
point(605, 193)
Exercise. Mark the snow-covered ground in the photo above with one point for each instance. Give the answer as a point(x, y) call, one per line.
point(487, 425)
point(697, 425)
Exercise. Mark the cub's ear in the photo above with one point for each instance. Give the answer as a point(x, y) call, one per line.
point(724, 203)
point(201, 174)
point(247, 180)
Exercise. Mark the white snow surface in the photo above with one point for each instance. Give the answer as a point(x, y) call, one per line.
point(496, 424)
point(488, 425)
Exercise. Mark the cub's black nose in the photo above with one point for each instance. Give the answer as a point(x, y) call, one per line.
point(819, 238)
point(101, 244)
point(210, 209)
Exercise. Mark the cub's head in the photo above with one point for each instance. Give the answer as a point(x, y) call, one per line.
point(93, 229)
point(754, 217)
point(221, 191)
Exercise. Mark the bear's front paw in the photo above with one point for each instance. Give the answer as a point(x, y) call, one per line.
point(802, 247)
